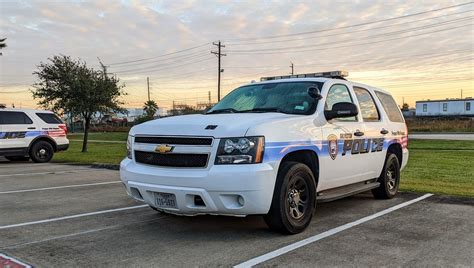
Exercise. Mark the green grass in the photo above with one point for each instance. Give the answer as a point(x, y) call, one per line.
point(109, 136)
point(441, 167)
point(435, 166)
point(105, 153)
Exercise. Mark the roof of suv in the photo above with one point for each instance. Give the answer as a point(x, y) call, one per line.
point(25, 110)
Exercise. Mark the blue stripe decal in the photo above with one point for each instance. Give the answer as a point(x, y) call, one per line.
point(274, 151)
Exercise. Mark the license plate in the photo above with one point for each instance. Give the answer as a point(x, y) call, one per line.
point(165, 200)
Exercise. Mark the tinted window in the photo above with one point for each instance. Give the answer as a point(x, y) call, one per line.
point(425, 107)
point(390, 107)
point(14, 118)
point(336, 94)
point(445, 107)
point(49, 118)
point(468, 106)
point(287, 97)
point(368, 109)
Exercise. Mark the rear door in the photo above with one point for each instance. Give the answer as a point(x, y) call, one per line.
point(339, 165)
point(15, 130)
point(375, 131)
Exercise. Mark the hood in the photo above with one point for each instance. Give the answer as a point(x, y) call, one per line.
point(228, 125)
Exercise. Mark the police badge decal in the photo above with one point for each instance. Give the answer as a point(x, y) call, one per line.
point(332, 146)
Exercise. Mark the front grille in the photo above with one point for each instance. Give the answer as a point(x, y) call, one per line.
point(174, 140)
point(171, 160)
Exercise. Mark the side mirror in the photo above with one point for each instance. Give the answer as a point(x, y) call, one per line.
point(314, 93)
point(340, 110)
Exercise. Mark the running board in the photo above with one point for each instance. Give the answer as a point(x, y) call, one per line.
point(345, 191)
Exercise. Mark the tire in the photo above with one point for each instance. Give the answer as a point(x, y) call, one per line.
point(17, 158)
point(41, 152)
point(389, 179)
point(294, 199)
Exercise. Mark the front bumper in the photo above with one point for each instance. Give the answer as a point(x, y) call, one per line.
point(221, 187)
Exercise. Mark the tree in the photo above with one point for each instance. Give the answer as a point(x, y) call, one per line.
point(2, 44)
point(69, 86)
point(405, 107)
point(150, 107)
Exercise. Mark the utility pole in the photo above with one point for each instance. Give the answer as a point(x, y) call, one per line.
point(219, 70)
point(461, 93)
point(209, 96)
point(148, 86)
point(292, 66)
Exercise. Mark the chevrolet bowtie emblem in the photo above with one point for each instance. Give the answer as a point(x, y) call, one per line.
point(163, 148)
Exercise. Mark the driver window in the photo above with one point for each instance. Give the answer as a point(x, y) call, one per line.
point(338, 93)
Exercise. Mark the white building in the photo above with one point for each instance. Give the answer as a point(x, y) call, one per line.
point(448, 107)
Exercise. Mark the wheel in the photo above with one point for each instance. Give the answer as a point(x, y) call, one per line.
point(41, 152)
point(294, 199)
point(389, 179)
point(17, 158)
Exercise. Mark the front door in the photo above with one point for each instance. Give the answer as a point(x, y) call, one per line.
point(340, 162)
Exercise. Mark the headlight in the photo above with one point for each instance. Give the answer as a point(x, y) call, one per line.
point(245, 150)
point(129, 146)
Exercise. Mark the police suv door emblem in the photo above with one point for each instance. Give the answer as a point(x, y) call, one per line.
point(163, 148)
point(332, 146)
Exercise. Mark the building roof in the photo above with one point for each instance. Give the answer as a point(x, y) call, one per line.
point(447, 100)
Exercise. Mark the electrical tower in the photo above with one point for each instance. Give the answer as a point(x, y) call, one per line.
point(219, 54)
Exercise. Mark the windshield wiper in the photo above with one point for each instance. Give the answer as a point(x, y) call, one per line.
point(222, 111)
point(263, 110)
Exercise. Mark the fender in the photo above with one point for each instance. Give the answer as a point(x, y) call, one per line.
point(44, 137)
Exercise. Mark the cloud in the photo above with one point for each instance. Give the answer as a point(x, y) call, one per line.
point(128, 30)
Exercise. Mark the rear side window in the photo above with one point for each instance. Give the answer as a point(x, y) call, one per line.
point(368, 109)
point(49, 118)
point(390, 107)
point(14, 118)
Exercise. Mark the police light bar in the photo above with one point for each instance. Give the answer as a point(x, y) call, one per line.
point(333, 74)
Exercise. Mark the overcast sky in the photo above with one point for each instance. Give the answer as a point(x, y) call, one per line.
point(424, 56)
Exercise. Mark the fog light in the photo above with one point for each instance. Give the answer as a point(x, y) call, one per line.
point(241, 201)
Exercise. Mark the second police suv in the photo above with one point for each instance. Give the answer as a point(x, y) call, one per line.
point(273, 148)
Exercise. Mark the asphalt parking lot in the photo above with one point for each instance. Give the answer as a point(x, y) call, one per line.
point(55, 215)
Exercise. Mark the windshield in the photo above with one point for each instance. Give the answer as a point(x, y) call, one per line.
point(283, 97)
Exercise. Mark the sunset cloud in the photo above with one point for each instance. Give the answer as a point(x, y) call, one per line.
point(117, 31)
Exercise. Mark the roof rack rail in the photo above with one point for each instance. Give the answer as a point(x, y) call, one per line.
point(333, 74)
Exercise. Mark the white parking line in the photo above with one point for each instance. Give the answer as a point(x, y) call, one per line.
point(323, 235)
point(59, 187)
point(70, 217)
point(80, 233)
point(51, 172)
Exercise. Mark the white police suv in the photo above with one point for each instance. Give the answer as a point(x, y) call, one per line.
point(27, 133)
point(274, 148)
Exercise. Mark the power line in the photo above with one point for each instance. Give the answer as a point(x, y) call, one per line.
point(159, 56)
point(351, 32)
point(351, 26)
point(280, 49)
point(163, 60)
point(160, 67)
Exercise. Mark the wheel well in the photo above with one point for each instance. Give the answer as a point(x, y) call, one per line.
point(396, 149)
point(306, 157)
point(52, 142)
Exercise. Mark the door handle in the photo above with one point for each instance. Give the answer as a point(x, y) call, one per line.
point(383, 131)
point(358, 133)
point(31, 128)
